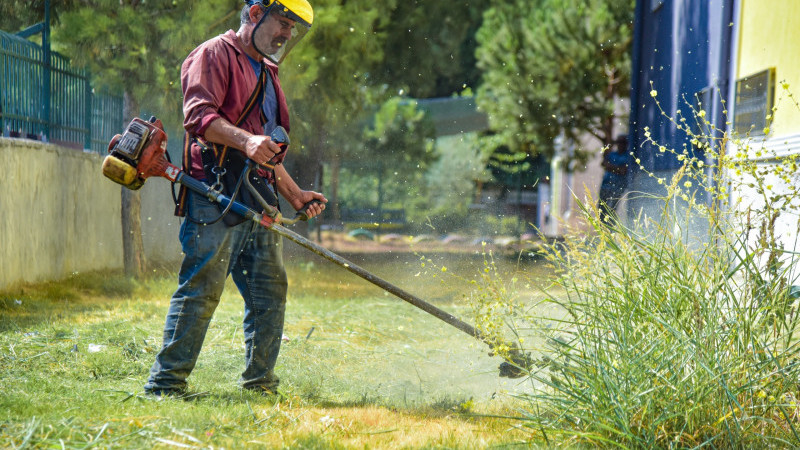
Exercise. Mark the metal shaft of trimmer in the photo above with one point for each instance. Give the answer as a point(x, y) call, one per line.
point(353, 268)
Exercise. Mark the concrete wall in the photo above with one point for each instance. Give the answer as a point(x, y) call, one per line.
point(61, 215)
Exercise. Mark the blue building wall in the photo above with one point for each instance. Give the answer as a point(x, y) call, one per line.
point(682, 47)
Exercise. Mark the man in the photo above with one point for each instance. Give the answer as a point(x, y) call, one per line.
point(232, 102)
point(615, 178)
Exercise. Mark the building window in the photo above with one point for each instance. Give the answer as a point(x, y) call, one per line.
point(755, 96)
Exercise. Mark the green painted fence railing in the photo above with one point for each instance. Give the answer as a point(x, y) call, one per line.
point(65, 110)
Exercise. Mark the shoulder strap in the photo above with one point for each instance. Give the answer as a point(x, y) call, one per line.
point(255, 99)
point(180, 202)
point(219, 151)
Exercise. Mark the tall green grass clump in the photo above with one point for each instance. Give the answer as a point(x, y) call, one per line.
point(679, 329)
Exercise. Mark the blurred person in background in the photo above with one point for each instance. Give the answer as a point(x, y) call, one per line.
point(616, 160)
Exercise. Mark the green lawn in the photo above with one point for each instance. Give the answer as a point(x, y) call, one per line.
point(374, 371)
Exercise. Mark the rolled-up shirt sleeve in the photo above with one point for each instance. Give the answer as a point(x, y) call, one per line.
point(204, 80)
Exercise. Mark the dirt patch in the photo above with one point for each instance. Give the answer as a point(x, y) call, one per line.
point(349, 243)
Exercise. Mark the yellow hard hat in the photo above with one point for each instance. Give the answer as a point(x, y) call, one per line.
point(298, 10)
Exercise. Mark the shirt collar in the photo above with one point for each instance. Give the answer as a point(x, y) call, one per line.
point(233, 40)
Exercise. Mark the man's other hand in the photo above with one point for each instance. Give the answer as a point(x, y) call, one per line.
point(304, 197)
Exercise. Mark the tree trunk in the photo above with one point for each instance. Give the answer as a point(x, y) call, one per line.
point(305, 174)
point(333, 205)
point(132, 245)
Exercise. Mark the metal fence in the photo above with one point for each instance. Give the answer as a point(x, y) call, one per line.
point(50, 100)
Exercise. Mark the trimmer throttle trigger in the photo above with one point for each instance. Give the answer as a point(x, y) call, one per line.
point(280, 137)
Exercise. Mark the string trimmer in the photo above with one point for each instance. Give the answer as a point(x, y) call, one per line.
point(140, 153)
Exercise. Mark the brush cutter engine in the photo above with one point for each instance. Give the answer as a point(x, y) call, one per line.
point(137, 154)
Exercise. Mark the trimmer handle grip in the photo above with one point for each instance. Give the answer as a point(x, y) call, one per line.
point(302, 214)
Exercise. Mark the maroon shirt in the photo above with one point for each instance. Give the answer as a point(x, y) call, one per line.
point(217, 80)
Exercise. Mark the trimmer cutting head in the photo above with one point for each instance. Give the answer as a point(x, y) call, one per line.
point(517, 365)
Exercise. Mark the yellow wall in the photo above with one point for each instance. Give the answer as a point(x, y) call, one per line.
point(769, 36)
point(60, 215)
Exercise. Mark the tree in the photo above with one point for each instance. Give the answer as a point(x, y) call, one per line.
point(398, 149)
point(136, 47)
point(554, 68)
point(17, 15)
point(430, 47)
point(461, 163)
point(328, 86)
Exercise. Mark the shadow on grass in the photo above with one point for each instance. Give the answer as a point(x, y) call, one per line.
point(27, 306)
point(443, 406)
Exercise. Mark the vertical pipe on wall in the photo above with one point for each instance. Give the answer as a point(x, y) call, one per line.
point(47, 79)
point(633, 131)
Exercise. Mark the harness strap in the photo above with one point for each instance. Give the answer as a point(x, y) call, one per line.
point(219, 151)
point(255, 99)
point(186, 160)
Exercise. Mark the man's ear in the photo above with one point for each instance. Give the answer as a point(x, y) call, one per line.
point(256, 11)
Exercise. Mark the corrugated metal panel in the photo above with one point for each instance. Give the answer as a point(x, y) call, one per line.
point(683, 48)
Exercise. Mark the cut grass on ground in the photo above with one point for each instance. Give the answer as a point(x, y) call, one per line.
point(361, 368)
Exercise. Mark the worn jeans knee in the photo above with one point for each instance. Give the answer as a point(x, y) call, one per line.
point(207, 251)
point(253, 256)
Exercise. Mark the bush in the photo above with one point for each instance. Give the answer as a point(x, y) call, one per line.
point(667, 338)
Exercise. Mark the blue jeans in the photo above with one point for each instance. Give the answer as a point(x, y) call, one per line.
point(253, 256)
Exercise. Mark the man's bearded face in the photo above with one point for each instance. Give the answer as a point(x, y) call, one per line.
point(272, 33)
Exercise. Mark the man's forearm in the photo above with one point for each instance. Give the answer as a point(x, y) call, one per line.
point(287, 187)
point(223, 132)
point(297, 197)
point(259, 148)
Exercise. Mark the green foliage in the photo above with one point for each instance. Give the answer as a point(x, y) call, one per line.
point(430, 47)
point(138, 47)
point(389, 169)
point(16, 15)
point(554, 68)
point(460, 163)
point(400, 137)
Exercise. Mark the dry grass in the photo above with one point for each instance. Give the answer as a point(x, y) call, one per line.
point(374, 373)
